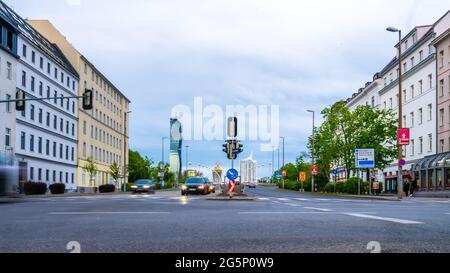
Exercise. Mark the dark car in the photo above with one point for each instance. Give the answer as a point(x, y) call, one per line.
point(144, 185)
point(211, 186)
point(194, 185)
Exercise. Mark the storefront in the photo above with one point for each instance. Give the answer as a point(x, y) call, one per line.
point(433, 172)
point(390, 181)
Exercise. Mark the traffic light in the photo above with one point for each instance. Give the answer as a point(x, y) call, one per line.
point(238, 148)
point(87, 100)
point(20, 104)
point(225, 148)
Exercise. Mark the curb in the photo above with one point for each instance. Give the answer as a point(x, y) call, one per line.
point(227, 198)
point(365, 197)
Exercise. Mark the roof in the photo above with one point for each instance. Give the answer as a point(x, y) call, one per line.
point(36, 38)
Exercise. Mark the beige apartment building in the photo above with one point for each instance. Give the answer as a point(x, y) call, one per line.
point(102, 131)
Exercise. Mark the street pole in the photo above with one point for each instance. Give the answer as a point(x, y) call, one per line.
point(187, 154)
point(273, 164)
point(125, 151)
point(162, 160)
point(283, 159)
point(312, 150)
point(400, 125)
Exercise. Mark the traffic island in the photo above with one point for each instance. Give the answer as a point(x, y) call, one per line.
point(227, 197)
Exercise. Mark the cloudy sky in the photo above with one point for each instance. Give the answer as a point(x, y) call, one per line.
point(296, 54)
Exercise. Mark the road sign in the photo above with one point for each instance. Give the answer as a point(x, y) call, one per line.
point(284, 173)
point(232, 174)
point(333, 168)
point(403, 136)
point(376, 186)
point(279, 175)
point(302, 177)
point(231, 186)
point(365, 158)
point(402, 162)
point(315, 170)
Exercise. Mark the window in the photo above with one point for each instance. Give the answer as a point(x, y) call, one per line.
point(84, 127)
point(404, 121)
point(54, 149)
point(41, 63)
point(420, 145)
point(420, 55)
point(22, 140)
point(441, 59)
point(73, 129)
point(47, 147)
point(441, 145)
point(85, 68)
point(430, 142)
point(32, 112)
point(48, 119)
point(56, 73)
point(384, 105)
point(32, 143)
point(441, 88)
point(24, 79)
point(67, 152)
point(7, 137)
point(412, 62)
point(48, 68)
point(39, 174)
point(24, 51)
point(430, 112)
point(47, 175)
point(61, 177)
point(61, 125)
point(33, 56)
point(405, 67)
point(55, 122)
point(420, 87)
point(40, 115)
point(441, 117)
point(61, 103)
point(67, 127)
point(62, 77)
point(73, 178)
point(72, 157)
point(9, 71)
point(8, 105)
point(40, 145)
point(411, 90)
point(32, 84)
point(373, 105)
point(73, 107)
point(61, 151)
point(55, 95)
point(420, 116)
point(40, 88)
point(31, 173)
point(390, 103)
point(430, 81)
point(411, 116)
point(54, 176)
point(404, 96)
point(406, 45)
point(412, 147)
point(84, 149)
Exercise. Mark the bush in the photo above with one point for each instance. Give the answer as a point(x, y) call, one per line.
point(32, 188)
point(340, 187)
point(107, 188)
point(57, 188)
point(329, 187)
point(352, 185)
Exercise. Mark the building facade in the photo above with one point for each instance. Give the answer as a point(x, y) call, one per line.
point(248, 170)
point(426, 110)
point(46, 131)
point(103, 132)
point(8, 66)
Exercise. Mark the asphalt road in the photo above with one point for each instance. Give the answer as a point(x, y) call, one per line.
point(276, 222)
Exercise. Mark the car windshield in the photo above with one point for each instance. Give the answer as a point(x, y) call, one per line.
point(196, 180)
point(144, 182)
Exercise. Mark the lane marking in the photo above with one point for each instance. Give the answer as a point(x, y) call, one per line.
point(301, 199)
point(263, 198)
point(388, 219)
point(321, 199)
point(282, 199)
point(319, 209)
point(281, 212)
point(292, 205)
point(108, 212)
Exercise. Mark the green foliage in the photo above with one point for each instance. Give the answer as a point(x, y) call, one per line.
point(138, 167)
point(107, 188)
point(340, 187)
point(57, 188)
point(114, 171)
point(329, 187)
point(31, 188)
point(343, 131)
point(352, 185)
point(91, 168)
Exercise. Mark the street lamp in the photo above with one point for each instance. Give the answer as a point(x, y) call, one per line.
point(312, 150)
point(125, 151)
point(400, 125)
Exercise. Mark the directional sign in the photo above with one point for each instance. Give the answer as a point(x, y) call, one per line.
point(231, 186)
point(284, 173)
point(365, 158)
point(302, 177)
point(232, 174)
point(279, 175)
point(333, 169)
point(315, 170)
point(403, 136)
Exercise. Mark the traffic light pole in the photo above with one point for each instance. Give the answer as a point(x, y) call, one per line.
point(38, 99)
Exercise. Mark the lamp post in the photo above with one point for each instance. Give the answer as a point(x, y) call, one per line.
point(187, 154)
point(273, 164)
point(162, 161)
point(400, 125)
point(312, 150)
point(125, 151)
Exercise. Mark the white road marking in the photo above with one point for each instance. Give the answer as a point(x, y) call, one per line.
point(394, 220)
point(301, 199)
point(263, 198)
point(319, 209)
point(448, 213)
point(282, 199)
point(280, 212)
point(107, 212)
point(292, 205)
point(321, 199)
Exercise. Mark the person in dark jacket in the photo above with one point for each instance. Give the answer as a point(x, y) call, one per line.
point(406, 187)
point(413, 187)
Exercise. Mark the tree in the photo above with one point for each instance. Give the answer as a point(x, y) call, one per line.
point(138, 166)
point(114, 171)
point(343, 131)
point(91, 169)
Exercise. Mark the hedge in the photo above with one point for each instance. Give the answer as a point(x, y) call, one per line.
point(34, 188)
point(57, 188)
point(107, 188)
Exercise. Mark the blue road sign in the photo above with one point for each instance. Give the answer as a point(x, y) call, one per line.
point(365, 158)
point(279, 175)
point(334, 172)
point(232, 174)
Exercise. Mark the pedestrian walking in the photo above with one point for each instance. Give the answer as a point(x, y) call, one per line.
point(413, 188)
point(406, 187)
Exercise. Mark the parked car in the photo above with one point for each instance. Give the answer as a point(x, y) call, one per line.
point(144, 185)
point(251, 185)
point(211, 187)
point(195, 185)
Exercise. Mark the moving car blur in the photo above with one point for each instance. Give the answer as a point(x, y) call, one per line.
point(9, 174)
point(195, 185)
point(144, 185)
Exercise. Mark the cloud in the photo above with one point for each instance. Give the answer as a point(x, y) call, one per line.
point(297, 54)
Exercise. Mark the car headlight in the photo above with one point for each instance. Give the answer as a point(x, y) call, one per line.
point(183, 187)
point(134, 187)
point(201, 187)
point(146, 187)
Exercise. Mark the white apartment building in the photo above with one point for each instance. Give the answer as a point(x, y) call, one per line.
point(46, 132)
point(419, 102)
point(248, 170)
point(8, 63)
